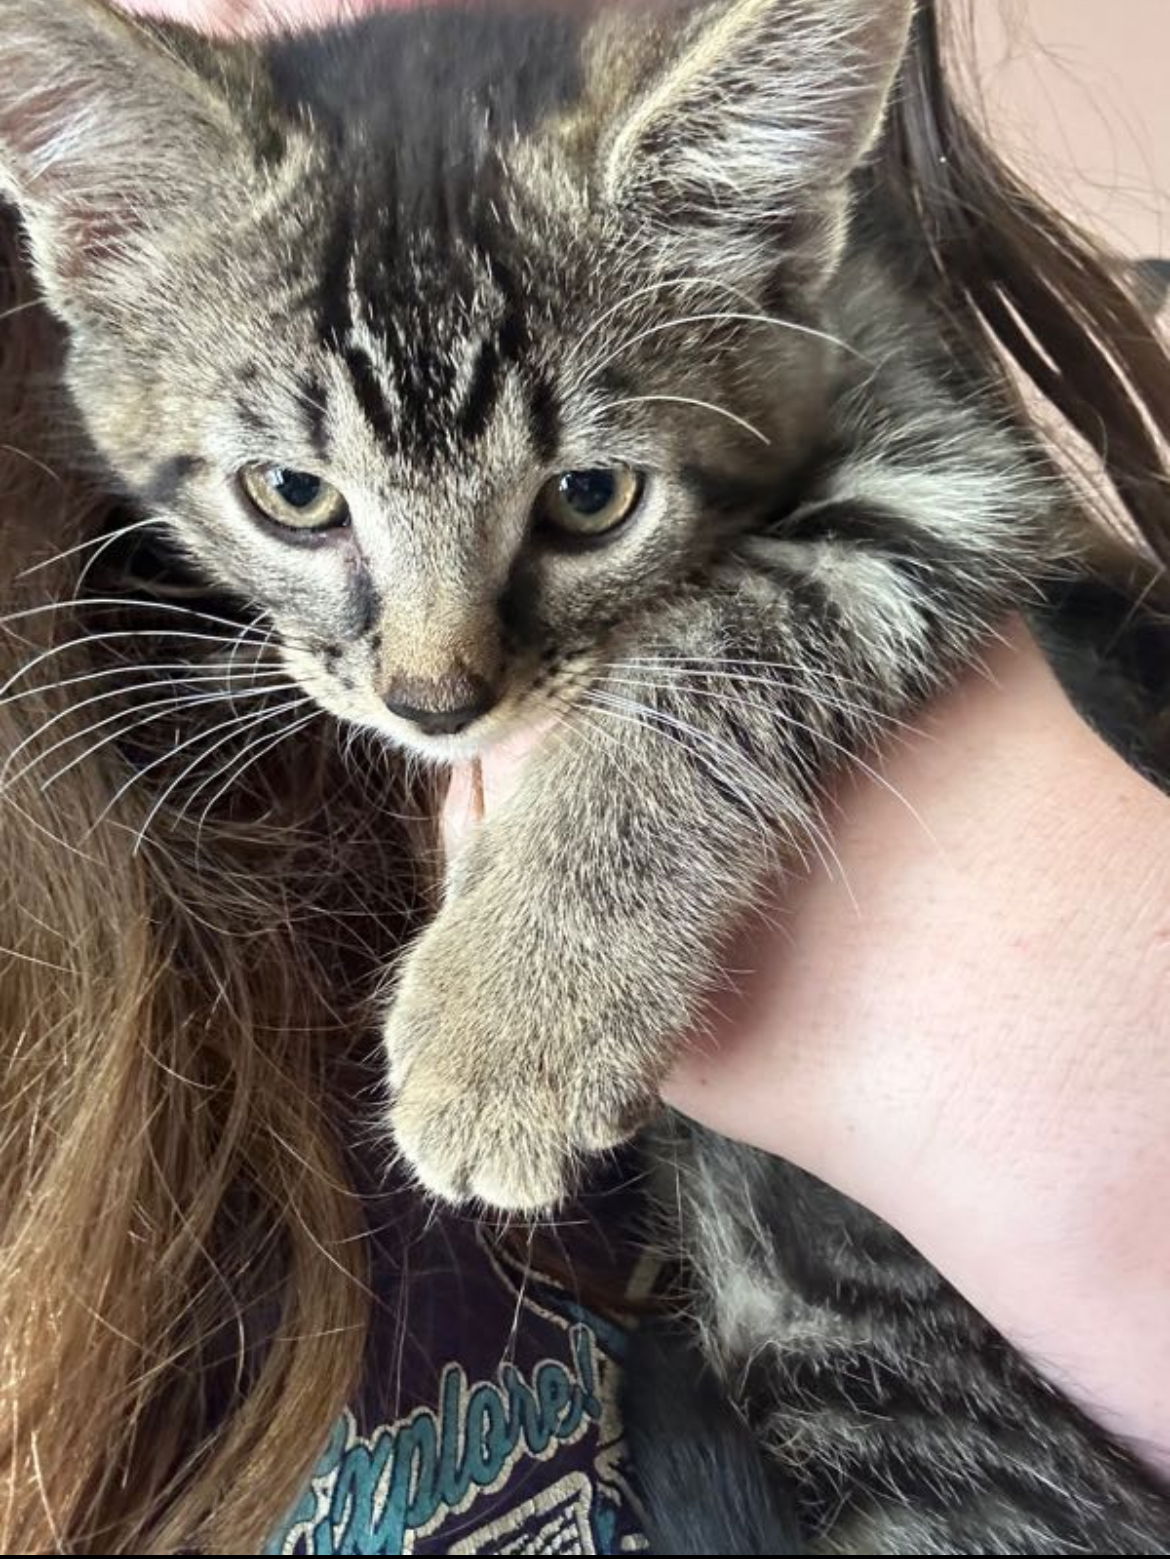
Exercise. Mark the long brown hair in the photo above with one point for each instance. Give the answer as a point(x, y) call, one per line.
point(182, 1303)
point(1018, 276)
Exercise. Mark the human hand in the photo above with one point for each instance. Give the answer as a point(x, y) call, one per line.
point(960, 1023)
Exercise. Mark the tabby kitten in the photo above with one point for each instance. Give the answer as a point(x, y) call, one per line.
point(561, 365)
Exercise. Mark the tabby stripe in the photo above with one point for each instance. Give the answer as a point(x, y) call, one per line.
point(334, 320)
point(921, 554)
point(366, 607)
point(496, 355)
point(251, 418)
point(335, 323)
point(544, 418)
point(168, 479)
point(484, 392)
point(369, 392)
point(513, 332)
point(314, 398)
point(721, 493)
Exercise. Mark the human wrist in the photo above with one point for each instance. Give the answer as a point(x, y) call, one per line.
point(961, 1029)
point(1045, 1204)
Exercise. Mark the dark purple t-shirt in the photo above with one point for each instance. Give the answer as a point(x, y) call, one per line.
point(488, 1418)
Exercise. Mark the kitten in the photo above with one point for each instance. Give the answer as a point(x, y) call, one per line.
point(560, 366)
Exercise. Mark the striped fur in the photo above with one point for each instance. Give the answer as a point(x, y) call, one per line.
point(437, 257)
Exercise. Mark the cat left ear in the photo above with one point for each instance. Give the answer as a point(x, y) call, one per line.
point(105, 131)
point(742, 109)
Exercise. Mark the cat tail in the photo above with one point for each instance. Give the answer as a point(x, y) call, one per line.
point(705, 1483)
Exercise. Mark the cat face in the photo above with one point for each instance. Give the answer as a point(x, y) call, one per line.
point(453, 341)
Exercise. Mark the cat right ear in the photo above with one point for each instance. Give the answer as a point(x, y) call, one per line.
point(710, 116)
point(106, 132)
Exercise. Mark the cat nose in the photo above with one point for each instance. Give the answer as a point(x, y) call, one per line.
point(440, 708)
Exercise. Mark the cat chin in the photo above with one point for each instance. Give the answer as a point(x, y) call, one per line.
point(505, 734)
point(448, 751)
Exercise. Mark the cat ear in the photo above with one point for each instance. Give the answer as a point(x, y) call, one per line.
point(739, 109)
point(106, 130)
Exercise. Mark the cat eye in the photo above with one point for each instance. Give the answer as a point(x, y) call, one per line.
point(587, 505)
point(295, 500)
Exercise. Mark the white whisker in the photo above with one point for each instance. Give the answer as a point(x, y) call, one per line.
point(851, 757)
point(100, 542)
point(238, 769)
point(715, 317)
point(122, 602)
point(767, 807)
point(229, 726)
point(105, 696)
point(690, 400)
point(135, 668)
point(249, 724)
point(105, 638)
point(778, 689)
point(781, 808)
point(20, 308)
point(33, 460)
point(159, 708)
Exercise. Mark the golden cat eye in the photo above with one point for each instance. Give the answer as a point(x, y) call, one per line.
point(587, 505)
point(296, 500)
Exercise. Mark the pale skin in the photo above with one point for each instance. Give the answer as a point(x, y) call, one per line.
point(961, 1021)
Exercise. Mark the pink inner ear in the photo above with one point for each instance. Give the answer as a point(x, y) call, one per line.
point(88, 235)
point(53, 134)
point(96, 145)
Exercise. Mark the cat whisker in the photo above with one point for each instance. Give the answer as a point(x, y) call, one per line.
point(186, 634)
point(582, 722)
point(238, 765)
point(100, 542)
point(705, 284)
point(121, 603)
point(720, 316)
point(765, 806)
point(262, 649)
point(864, 712)
point(20, 308)
point(136, 668)
point(230, 727)
point(651, 288)
point(724, 669)
point(720, 663)
point(33, 460)
point(690, 400)
point(132, 720)
point(159, 708)
point(652, 718)
point(852, 758)
point(171, 701)
point(780, 804)
point(236, 773)
point(107, 694)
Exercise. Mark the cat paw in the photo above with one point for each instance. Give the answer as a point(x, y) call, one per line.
point(472, 1141)
point(490, 1103)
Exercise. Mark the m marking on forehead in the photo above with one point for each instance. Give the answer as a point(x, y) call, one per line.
point(369, 392)
point(335, 324)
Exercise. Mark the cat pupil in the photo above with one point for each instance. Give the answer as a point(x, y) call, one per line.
point(588, 492)
point(296, 488)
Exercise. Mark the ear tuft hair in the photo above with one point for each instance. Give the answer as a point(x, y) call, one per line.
point(739, 111)
point(105, 129)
